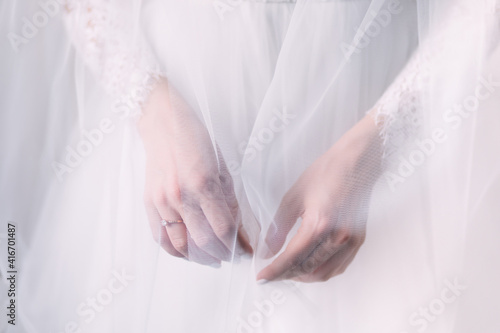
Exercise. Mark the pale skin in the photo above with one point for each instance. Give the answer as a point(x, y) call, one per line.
point(184, 181)
point(331, 197)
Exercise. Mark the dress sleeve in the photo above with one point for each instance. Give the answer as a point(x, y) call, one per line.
point(399, 113)
point(106, 35)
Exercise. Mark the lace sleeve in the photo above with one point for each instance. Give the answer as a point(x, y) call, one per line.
point(103, 33)
point(399, 112)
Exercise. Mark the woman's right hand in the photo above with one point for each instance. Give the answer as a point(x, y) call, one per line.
point(186, 179)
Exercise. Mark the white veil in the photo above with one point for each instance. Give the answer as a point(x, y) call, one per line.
point(276, 84)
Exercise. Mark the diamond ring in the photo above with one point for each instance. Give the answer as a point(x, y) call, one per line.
point(166, 222)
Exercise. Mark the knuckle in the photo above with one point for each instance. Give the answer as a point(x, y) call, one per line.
point(160, 198)
point(226, 180)
point(325, 251)
point(321, 222)
point(341, 270)
point(174, 194)
point(188, 200)
point(224, 230)
point(324, 277)
point(343, 236)
point(309, 265)
point(203, 184)
point(203, 241)
point(296, 266)
point(179, 243)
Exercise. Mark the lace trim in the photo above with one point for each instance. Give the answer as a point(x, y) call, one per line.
point(398, 113)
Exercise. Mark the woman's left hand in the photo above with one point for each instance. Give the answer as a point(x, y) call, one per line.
point(332, 198)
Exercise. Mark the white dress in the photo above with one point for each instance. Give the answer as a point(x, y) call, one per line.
point(87, 260)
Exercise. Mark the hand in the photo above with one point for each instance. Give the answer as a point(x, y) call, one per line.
point(332, 198)
point(186, 181)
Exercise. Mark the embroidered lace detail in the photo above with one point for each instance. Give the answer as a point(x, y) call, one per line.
point(102, 32)
point(399, 112)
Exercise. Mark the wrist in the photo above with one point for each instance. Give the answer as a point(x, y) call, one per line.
point(156, 109)
point(360, 150)
point(362, 137)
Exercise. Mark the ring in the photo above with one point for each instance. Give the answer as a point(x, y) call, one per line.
point(165, 222)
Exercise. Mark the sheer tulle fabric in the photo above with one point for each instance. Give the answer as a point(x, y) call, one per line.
point(276, 84)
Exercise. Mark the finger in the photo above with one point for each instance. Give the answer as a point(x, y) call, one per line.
point(159, 233)
point(219, 217)
point(201, 231)
point(333, 242)
point(198, 255)
point(181, 240)
point(227, 185)
point(285, 218)
point(176, 232)
point(319, 256)
point(336, 265)
point(169, 203)
point(300, 247)
point(243, 242)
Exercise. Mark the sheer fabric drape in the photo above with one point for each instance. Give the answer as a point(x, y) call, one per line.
point(276, 84)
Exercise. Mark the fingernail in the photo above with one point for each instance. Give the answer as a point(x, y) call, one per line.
point(262, 281)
